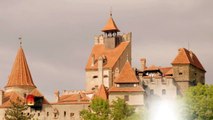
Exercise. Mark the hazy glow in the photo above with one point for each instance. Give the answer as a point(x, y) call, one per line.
point(164, 110)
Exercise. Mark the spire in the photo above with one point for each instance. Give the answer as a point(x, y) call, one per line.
point(110, 27)
point(20, 75)
point(20, 40)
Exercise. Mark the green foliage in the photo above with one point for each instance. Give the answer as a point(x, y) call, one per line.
point(98, 110)
point(16, 111)
point(121, 110)
point(198, 103)
point(139, 115)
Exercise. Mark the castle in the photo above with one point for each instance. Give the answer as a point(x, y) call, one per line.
point(109, 75)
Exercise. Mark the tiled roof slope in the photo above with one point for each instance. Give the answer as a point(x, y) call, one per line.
point(20, 74)
point(8, 97)
point(37, 93)
point(110, 26)
point(73, 98)
point(112, 55)
point(127, 75)
point(102, 92)
point(187, 57)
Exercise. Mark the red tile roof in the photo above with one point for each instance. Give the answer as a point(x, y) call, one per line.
point(152, 67)
point(78, 97)
point(187, 57)
point(127, 75)
point(20, 74)
point(110, 26)
point(112, 55)
point(37, 93)
point(126, 89)
point(8, 97)
point(102, 92)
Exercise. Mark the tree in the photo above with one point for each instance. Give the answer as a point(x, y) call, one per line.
point(17, 111)
point(98, 110)
point(121, 110)
point(198, 103)
point(139, 115)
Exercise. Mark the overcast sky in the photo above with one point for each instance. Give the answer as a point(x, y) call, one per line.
point(58, 35)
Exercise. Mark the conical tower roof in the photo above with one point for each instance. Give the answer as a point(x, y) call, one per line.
point(110, 26)
point(20, 75)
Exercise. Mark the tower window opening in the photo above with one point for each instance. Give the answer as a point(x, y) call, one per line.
point(164, 92)
point(65, 113)
point(126, 97)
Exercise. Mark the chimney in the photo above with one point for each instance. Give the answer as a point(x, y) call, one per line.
point(1, 96)
point(143, 64)
point(93, 60)
point(57, 93)
point(100, 69)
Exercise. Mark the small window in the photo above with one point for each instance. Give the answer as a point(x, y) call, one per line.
point(65, 113)
point(47, 114)
point(38, 114)
point(180, 73)
point(105, 76)
point(28, 114)
point(72, 114)
point(151, 92)
point(95, 77)
point(164, 92)
point(126, 97)
point(195, 74)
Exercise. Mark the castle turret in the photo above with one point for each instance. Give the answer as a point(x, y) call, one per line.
point(20, 79)
point(188, 70)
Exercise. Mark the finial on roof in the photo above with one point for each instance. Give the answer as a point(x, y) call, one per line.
point(110, 11)
point(20, 40)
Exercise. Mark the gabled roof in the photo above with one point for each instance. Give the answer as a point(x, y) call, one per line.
point(127, 75)
point(37, 93)
point(187, 57)
point(112, 55)
point(102, 92)
point(20, 74)
point(110, 26)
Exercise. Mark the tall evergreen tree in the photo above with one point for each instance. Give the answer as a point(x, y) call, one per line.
point(17, 111)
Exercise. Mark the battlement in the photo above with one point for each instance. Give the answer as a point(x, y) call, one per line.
point(113, 41)
point(70, 92)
